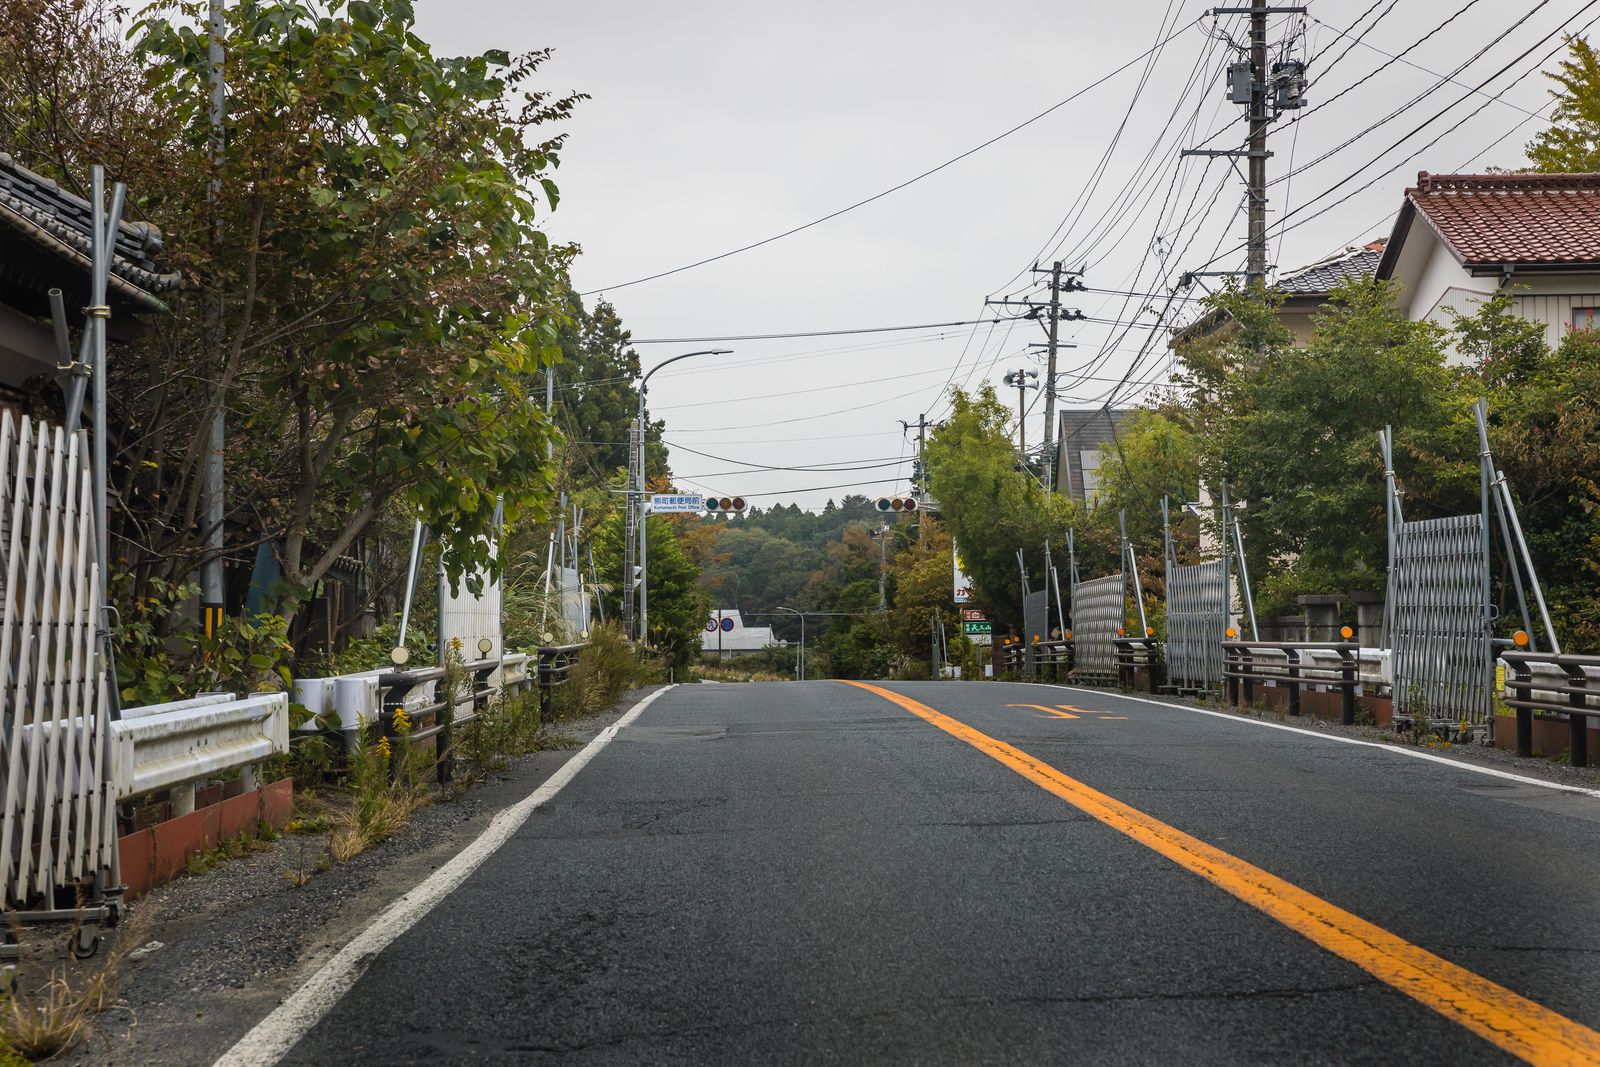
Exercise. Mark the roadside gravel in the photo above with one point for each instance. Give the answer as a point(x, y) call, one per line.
point(219, 950)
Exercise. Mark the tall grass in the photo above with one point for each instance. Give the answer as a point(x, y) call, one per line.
point(608, 668)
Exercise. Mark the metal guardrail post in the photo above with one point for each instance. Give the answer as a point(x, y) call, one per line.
point(393, 700)
point(1347, 685)
point(1294, 684)
point(1247, 669)
point(546, 683)
point(1524, 689)
point(1578, 722)
point(1230, 667)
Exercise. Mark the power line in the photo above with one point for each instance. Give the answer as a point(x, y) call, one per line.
point(801, 392)
point(1283, 221)
point(760, 469)
point(787, 440)
point(894, 188)
point(885, 461)
point(1400, 58)
point(808, 333)
point(1440, 81)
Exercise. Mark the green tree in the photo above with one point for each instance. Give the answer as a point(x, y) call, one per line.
point(1545, 430)
point(598, 397)
point(989, 507)
point(1300, 444)
point(1152, 455)
point(678, 606)
point(1571, 143)
point(923, 589)
point(386, 293)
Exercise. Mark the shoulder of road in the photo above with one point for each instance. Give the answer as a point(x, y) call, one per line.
point(220, 950)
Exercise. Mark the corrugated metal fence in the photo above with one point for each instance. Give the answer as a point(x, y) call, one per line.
point(1099, 610)
point(1197, 605)
point(1439, 586)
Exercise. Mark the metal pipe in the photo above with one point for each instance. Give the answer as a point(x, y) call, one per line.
point(1533, 576)
point(411, 583)
point(1055, 584)
point(1227, 581)
point(1480, 412)
point(1133, 567)
point(1244, 582)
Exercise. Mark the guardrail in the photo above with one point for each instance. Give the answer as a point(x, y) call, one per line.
point(1013, 657)
point(555, 668)
point(1052, 659)
point(172, 746)
point(1562, 685)
point(434, 716)
point(1247, 662)
point(1133, 653)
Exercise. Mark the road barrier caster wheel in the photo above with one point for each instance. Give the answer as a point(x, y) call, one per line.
point(85, 944)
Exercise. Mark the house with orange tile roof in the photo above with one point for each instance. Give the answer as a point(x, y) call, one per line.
point(1460, 237)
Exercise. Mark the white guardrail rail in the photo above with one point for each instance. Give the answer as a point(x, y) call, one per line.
point(171, 746)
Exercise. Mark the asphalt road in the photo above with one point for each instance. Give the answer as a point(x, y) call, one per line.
point(813, 873)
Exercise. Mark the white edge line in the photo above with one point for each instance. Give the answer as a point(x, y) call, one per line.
point(271, 1038)
point(1394, 749)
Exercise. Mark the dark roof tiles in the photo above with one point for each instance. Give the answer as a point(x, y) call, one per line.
point(1317, 279)
point(60, 221)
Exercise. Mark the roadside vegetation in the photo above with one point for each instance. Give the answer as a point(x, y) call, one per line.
point(348, 806)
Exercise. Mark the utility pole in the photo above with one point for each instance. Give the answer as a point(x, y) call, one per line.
point(919, 483)
point(211, 475)
point(1256, 263)
point(1054, 315)
point(1266, 94)
point(921, 426)
point(630, 537)
point(1050, 375)
point(883, 565)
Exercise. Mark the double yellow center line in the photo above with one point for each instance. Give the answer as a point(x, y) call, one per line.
point(1493, 1012)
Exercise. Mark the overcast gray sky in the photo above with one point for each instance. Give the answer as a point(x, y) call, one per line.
point(716, 123)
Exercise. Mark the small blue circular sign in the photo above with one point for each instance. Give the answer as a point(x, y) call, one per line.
point(727, 625)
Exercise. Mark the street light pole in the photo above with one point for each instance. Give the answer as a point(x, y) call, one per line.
point(644, 515)
point(800, 657)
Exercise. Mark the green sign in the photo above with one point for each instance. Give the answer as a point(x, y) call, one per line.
point(975, 627)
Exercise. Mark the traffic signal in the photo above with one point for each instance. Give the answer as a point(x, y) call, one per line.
point(725, 505)
point(638, 576)
point(897, 503)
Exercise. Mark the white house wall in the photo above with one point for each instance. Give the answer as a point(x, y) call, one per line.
point(1443, 285)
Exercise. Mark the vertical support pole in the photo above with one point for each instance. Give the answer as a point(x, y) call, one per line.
point(1256, 264)
point(1247, 668)
point(1294, 681)
point(631, 534)
point(1347, 684)
point(1227, 580)
point(1231, 666)
point(212, 476)
point(1050, 378)
point(1523, 687)
point(1578, 747)
point(644, 535)
point(411, 582)
point(1244, 583)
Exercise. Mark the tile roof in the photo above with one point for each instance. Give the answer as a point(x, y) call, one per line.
point(58, 221)
point(1524, 219)
point(1320, 277)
